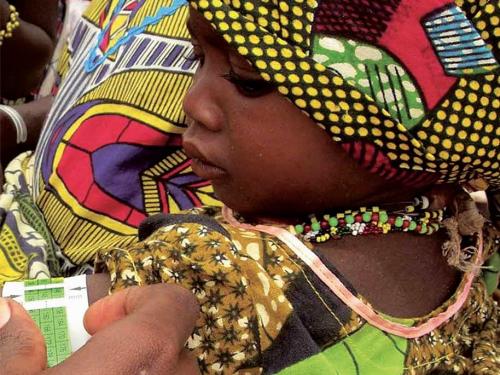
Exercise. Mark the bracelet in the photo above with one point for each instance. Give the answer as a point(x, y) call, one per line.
point(17, 119)
point(12, 24)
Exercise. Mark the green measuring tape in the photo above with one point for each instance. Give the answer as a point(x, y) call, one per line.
point(57, 306)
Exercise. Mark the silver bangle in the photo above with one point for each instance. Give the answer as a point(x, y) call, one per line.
point(17, 119)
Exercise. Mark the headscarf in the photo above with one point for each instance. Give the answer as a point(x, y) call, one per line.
point(415, 80)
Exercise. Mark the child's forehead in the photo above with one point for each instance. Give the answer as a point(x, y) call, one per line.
point(200, 28)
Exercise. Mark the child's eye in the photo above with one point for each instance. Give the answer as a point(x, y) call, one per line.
point(249, 87)
point(193, 57)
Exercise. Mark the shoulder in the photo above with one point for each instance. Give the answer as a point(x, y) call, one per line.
point(207, 217)
point(205, 235)
point(198, 223)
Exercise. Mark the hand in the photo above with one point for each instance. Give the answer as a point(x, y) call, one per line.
point(137, 330)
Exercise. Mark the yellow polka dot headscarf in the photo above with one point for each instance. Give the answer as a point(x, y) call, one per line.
point(416, 80)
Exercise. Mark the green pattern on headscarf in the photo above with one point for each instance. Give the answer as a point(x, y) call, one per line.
point(374, 72)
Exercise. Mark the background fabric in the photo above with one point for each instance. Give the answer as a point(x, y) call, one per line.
point(110, 153)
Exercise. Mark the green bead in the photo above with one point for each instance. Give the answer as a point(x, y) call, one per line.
point(315, 226)
point(424, 229)
point(383, 217)
point(399, 222)
point(367, 217)
point(412, 226)
point(333, 222)
point(349, 219)
point(299, 229)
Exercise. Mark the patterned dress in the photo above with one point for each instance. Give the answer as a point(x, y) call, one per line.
point(110, 153)
point(270, 305)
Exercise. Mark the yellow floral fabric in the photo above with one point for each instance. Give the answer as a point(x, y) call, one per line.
point(242, 299)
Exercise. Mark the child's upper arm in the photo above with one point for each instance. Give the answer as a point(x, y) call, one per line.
point(200, 257)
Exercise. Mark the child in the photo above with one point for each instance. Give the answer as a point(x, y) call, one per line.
point(382, 278)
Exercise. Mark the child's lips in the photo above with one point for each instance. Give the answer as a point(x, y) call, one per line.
point(201, 165)
point(206, 170)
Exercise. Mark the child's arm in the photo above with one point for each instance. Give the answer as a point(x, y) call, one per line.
point(242, 307)
point(97, 286)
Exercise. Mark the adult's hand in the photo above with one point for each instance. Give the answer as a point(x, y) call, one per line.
point(140, 330)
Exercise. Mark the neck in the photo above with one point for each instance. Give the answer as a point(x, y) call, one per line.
point(400, 274)
point(389, 243)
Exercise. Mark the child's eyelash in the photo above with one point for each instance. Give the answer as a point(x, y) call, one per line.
point(192, 57)
point(249, 87)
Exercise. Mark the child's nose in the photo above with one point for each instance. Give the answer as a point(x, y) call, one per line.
point(201, 103)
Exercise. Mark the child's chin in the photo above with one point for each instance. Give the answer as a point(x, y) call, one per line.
point(234, 199)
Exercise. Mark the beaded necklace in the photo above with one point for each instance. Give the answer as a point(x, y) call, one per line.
point(374, 220)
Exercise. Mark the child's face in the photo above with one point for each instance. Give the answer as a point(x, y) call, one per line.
point(263, 155)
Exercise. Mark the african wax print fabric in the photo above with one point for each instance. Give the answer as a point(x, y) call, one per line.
point(27, 249)
point(110, 153)
point(73, 10)
point(416, 79)
point(264, 311)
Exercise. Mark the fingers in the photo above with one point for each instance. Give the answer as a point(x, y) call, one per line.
point(171, 307)
point(22, 347)
point(141, 329)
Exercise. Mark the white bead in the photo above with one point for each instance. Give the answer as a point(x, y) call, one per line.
point(425, 202)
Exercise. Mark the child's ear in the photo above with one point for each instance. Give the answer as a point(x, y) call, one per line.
point(444, 196)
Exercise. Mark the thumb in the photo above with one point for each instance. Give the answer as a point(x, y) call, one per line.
point(137, 330)
point(22, 346)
